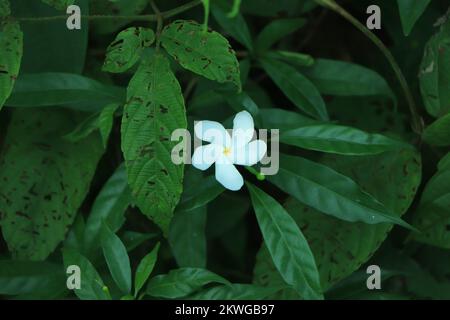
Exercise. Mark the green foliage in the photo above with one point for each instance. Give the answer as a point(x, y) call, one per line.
point(410, 12)
point(11, 49)
point(287, 245)
point(154, 110)
point(47, 179)
point(206, 53)
point(126, 49)
point(88, 140)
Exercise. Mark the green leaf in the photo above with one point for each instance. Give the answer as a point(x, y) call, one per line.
point(340, 78)
point(330, 192)
point(31, 277)
point(109, 206)
point(438, 133)
point(297, 88)
point(235, 26)
point(127, 48)
point(144, 269)
point(49, 46)
point(340, 247)
point(181, 282)
point(133, 239)
point(106, 121)
point(235, 291)
point(187, 237)
point(338, 139)
point(277, 30)
point(206, 190)
point(5, 9)
point(154, 110)
point(206, 53)
point(287, 245)
point(117, 259)
point(11, 49)
point(434, 73)
point(91, 286)
point(84, 129)
point(410, 12)
point(59, 4)
point(52, 89)
point(46, 180)
point(295, 59)
point(432, 217)
point(283, 120)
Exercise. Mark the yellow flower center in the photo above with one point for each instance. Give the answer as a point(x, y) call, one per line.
point(227, 151)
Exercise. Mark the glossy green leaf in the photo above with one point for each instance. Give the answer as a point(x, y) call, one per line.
point(338, 139)
point(288, 247)
point(434, 73)
point(340, 78)
point(438, 133)
point(330, 192)
point(117, 259)
point(206, 53)
point(109, 206)
point(52, 89)
point(410, 12)
point(340, 247)
point(11, 50)
point(144, 269)
point(297, 88)
point(277, 30)
point(283, 120)
point(84, 129)
point(179, 283)
point(187, 237)
point(235, 291)
point(295, 59)
point(47, 180)
point(154, 110)
point(91, 286)
point(127, 48)
point(235, 26)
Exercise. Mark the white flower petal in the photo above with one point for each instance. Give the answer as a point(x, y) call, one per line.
point(243, 129)
point(250, 154)
point(205, 156)
point(212, 131)
point(228, 175)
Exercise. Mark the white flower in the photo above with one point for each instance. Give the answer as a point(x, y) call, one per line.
point(226, 151)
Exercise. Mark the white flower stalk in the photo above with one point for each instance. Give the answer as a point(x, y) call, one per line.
point(226, 151)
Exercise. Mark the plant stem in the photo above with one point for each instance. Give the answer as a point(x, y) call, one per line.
point(417, 122)
point(160, 22)
point(145, 17)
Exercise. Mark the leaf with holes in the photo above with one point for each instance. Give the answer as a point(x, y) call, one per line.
point(206, 53)
point(46, 179)
point(126, 49)
point(11, 50)
point(154, 110)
